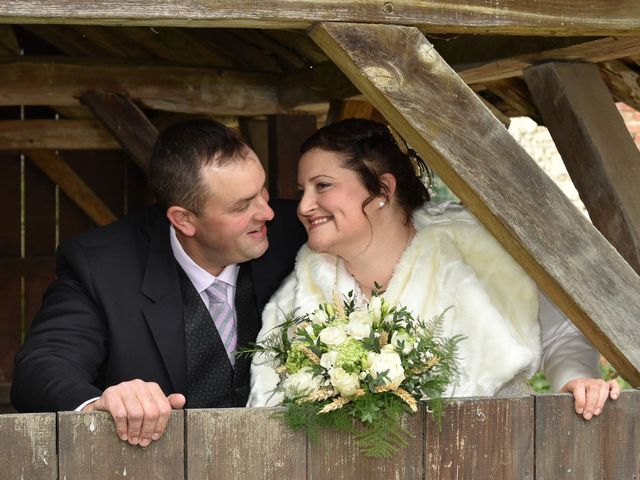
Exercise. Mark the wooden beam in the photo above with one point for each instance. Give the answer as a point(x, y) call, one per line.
point(623, 83)
point(55, 135)
point(594, 142)
point(57, 82)
point(341, 109)
point(518, 17)
point(286, 133)
point(595, 51)
point(54, 167)
point(513, 91)
point(322, 83)
point(126, 122)
point(408, 82)
point(8, 41)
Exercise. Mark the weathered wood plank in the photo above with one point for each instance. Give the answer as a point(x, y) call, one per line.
point(341, 109)
point(28, 446)
point(322, 83)
point(513, 91)
point(569, 447)
point(8, 41)
point(59, 172)
point(482, 438)
point(55, 135)
point(286, 133)
point(408, 82)
point(594, 142)
point(595, 51)
point(241, 443)
point(587, 17)
point(10, 246)
point(89, 448)
point(126, 122)
point(40, 214)
point(207, 91)
point(623, 82)
point(336, 456)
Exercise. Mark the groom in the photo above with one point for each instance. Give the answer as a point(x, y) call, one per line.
point(146, 313)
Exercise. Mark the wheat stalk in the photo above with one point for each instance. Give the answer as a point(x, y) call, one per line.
point(407, 398)
point(337, 404)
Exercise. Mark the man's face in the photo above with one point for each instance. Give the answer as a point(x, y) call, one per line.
point(231, 226)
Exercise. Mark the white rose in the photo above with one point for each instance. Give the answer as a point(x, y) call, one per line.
point(389, 362)
point(358, 329)
point(319, 316)
point(345, 383)
point(328, 360)
point(301, 383)
point(402, 336)
point(375, 308)
point(361, 315)
point(333, 335)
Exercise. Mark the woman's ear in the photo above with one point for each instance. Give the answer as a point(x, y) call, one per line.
point(182, 220)
point(388, 182)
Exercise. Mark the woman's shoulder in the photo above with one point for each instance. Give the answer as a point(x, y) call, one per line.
point(443, 214)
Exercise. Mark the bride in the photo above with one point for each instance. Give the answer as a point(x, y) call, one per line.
point(369, 223)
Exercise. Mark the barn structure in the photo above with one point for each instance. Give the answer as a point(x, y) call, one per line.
point(86, 86)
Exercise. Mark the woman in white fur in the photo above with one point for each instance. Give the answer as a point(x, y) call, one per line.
point(366, 213)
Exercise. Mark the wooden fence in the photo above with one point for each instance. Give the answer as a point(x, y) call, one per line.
point(521, 438)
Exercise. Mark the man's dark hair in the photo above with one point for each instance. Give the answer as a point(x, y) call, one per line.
point(179, 155)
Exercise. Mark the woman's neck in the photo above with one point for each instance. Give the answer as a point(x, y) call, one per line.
point(377, 263)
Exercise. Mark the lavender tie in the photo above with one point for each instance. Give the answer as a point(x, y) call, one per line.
point(223, 316)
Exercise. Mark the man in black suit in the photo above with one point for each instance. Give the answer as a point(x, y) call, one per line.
point(129, 326)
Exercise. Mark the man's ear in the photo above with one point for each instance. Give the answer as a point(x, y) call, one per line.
point(182, 220)
point(389, 183)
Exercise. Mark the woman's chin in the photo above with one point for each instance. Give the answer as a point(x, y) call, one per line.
point(317, 246)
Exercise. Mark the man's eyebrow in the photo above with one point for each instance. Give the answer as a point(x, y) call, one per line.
point(241, 201)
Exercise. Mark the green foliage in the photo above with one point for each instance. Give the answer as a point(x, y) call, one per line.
point(379, 433)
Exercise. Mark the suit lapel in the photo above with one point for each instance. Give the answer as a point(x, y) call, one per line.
point(246, 311)
point(165, 315)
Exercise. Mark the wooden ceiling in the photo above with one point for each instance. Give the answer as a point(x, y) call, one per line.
point(228, 72)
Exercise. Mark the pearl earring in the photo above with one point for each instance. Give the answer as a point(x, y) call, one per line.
point(381, 203)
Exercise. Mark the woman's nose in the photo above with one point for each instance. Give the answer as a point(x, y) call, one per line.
point(307, 203)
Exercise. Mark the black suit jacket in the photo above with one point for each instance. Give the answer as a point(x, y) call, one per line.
point(114, 312)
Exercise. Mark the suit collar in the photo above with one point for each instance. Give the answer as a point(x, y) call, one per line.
point(165, 315)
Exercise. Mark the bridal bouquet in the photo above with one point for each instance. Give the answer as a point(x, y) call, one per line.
point(369, 363)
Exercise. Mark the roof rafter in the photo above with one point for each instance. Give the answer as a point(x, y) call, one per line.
point(518, 17)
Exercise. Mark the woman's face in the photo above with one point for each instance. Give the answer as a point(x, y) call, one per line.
point(331, 205)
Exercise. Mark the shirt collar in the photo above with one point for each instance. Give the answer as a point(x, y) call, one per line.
point(200, 278)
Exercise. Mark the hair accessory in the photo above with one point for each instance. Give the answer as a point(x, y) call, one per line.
point(398, 140)
point(417, 163)
point(381, 203)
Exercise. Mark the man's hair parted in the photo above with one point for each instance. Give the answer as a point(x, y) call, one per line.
point(179, 155)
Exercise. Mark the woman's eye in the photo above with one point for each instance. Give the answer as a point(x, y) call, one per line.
point(322, 185)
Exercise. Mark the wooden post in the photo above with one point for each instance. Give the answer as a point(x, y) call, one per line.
point(286, 134)
point(410, 84)
point(61, 173)
point(567, 446)
point(90, 448)
point(482, 438)
point(126, 122)
point(242, 443)
point(600, 155)
point(28, 446)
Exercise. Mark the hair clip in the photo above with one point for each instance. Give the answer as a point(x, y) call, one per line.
point(398, 140)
